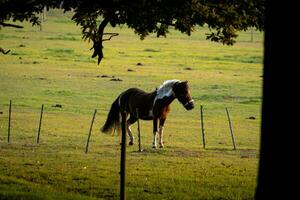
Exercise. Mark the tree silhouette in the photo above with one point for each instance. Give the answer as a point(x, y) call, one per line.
point(279, 166)
point(223, 18)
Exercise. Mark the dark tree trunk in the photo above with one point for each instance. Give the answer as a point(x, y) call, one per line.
point(98, 41)
point(279, 166)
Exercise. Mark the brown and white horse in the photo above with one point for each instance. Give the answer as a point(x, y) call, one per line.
point(151, 106)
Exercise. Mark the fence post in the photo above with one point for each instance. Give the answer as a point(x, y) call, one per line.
point(251, 34)
point(202, 126)
point(40, 125)
point(230, 127)
point(138, 129)
point(123, 158)
point(90, 131)
point(9, 119)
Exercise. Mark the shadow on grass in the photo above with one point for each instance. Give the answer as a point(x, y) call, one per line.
point(168, 151)
point(243, 152)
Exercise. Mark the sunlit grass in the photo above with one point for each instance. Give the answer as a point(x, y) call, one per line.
point(54, 66)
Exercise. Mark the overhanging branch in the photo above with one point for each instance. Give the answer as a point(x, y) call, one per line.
point(3, 51)
point(10, 25)
point(111, 35)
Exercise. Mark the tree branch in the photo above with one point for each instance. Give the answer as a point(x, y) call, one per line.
point(10, 25)
point(111, 35)
point(3, 51)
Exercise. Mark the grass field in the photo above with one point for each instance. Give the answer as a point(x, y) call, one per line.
point(54, 66)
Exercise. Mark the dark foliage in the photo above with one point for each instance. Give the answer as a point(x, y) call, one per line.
point(224, 18)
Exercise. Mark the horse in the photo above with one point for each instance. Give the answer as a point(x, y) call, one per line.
point(150, 106)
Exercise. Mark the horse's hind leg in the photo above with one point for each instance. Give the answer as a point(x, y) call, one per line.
point(154, 132)
point(130, 121)
point(161, 132)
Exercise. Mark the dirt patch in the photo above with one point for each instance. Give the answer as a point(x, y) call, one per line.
point(116, 79)
point(57, 106)
point(169, 152)
point(188, 68)
point(185, 153)
point(105, 76)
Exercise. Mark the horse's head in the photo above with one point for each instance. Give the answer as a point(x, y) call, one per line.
point(182, 93)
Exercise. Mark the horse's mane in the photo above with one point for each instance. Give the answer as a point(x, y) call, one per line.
point(165, 90)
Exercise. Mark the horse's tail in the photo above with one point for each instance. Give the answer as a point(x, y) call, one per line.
point(113, 118)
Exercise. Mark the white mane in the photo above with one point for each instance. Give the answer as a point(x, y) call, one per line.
point(165, 90)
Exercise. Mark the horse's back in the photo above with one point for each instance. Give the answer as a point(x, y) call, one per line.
point(135, 98)
point(135, 93)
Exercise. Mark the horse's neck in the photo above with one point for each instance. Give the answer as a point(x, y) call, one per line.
point(153, 96)
point(165, 101)
point(169, 100)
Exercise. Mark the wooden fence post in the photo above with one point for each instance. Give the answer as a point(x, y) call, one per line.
point(90, 131)
point(138, 129)
point(230, 127)
point(9, 119)
point(40, 125)
point(251, 39)
point(123, 158)
point(202, 126)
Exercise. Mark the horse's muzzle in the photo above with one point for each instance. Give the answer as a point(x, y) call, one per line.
point(189, 105)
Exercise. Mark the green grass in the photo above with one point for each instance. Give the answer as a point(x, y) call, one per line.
point(54, 66)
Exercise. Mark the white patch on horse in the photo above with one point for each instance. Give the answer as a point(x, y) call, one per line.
point(165, 90)
point(161, 134)
point(154, 140)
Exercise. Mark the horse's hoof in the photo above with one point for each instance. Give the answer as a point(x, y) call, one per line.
point(154, 147)
point(130, 143)
point(161, 145)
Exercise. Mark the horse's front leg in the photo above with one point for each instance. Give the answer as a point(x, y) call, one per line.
point(154, 132)
point(161, 132)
